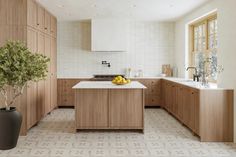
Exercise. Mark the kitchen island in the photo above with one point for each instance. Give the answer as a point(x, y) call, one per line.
point(103, 105)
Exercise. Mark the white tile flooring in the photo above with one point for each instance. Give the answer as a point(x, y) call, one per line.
point(164, 136)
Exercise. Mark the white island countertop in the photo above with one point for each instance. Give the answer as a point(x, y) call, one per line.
point(107, 85)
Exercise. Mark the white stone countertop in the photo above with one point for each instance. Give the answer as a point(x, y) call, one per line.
point(107, 85)
point(196, 85)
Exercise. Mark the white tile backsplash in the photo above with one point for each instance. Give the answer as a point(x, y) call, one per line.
point(150, 44)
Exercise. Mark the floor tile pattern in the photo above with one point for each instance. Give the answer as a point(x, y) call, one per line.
point(164, 136)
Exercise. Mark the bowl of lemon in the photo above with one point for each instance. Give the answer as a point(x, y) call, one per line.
point(119, 80)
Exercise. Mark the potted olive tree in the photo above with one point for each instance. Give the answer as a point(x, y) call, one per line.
point(18, 67)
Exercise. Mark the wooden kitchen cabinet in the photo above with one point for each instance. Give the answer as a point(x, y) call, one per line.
point(179, 102)
point(53, 73)
point(32, 88)
point(189, 103)
point(47, 22)
point(53, 26)
point(65, 93)
point(32, 13)
point(41, 84)
point(126, 108)
point(40, 18)
point(90, 115)
point(23, 20)
point(47, 92)
point(209, 117)
point(153, 91)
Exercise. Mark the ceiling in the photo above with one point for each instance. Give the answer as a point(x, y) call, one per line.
point(158, 10)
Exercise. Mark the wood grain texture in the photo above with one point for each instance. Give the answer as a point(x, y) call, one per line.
point(47, 91)
point(109, 109)
point(208, 113)
point(91, 108)
point(32, 13)
point(126, 108)
point(32, 87)
point(153, 91)
point(65, 93)
point(216, 115)
point(47, 22)
point(53, 73)
point(40, 18)
point(53, 26)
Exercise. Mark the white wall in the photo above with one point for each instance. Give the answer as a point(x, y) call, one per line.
point(150, 44)
point(227, 39)
point(181, 37)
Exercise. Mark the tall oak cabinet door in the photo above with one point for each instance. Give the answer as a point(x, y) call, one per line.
point(32, 87)
point(41, 84)
point(53, 26)
point(47, 93)
point(40, 18)
point(47, 24)
point(53, 73)
point(32, 13)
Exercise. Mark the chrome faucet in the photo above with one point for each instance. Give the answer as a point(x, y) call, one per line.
point(196, 76)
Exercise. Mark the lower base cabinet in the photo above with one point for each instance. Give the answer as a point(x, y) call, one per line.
point(208, 113)
point(92, 111)
point(109, 109)
point(153, 91)
point(126, 108)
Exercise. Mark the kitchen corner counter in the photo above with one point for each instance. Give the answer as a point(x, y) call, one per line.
point(107, 85)
point(193, 84)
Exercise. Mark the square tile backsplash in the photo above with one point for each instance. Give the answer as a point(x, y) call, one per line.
point(150, 44)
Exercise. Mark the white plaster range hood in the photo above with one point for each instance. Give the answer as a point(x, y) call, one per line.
point(109, 35)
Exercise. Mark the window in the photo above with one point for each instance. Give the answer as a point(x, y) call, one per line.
point(203, 46)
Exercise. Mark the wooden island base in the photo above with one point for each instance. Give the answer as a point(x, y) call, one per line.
point(109, 109)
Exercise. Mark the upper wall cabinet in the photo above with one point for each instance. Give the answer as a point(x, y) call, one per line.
point(109, 35)
point(32, 13)
point(47, 23)
point(53, 26)
point(40, 18)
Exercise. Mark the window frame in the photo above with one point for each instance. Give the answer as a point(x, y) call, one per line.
point(191, 54)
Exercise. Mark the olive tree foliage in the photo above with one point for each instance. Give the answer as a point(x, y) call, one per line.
point(18, 67)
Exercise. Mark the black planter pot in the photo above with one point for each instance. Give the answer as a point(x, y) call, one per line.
point(10, 124)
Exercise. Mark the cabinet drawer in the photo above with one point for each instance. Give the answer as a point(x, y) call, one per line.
point(152, 100)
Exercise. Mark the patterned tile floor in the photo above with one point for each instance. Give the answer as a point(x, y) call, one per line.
point(164, 136)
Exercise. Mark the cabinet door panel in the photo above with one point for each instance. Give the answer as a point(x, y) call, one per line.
point(40, 18)
point(155, 86)
point(91, 113)
point(188, 108)
point(47, 93)
point(41, 84)
point(53, 26)
point(174, 99)
point(32, 13)
point(126, 108)
point(47, 23)
point(53, 74)
point(180, 102)
point(192, 109)
point(32, 87)
point(152, 100)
